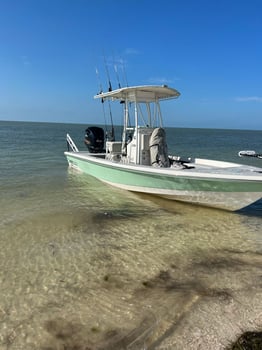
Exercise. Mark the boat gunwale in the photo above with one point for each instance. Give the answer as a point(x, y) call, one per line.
point(171, 171)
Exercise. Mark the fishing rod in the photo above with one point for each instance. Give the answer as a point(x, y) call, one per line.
point(102, 100)
point(116, 71)
point(108, 76)
point(112, 135)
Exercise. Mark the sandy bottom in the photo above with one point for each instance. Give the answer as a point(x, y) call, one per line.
point(89, 269)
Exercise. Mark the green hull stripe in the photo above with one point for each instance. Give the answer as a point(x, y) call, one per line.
point(134, 178)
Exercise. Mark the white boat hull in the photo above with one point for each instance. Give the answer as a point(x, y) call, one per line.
point(210, 183)
point(232, 201)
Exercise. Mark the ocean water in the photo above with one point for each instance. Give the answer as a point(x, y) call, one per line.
point(87, 266)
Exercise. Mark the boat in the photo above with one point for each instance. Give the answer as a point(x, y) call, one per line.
point(249, 153)
point(139, 161)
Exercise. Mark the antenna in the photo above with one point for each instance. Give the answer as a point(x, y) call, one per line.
point(117, 76)
point(124, 72)
point(99, 82)
point(115, 68)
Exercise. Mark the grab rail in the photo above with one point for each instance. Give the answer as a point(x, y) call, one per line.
point(71, 143)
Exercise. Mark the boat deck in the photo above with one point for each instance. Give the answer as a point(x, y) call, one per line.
point(235, 169)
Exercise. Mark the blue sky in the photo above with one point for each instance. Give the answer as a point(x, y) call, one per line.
point(211, 51)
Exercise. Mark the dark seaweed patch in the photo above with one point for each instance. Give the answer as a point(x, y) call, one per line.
point(247, 341)
point(66, 335)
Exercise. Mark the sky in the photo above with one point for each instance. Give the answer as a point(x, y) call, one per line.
point(55, 55)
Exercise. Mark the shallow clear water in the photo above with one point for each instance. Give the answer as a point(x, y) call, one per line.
point(87, 266)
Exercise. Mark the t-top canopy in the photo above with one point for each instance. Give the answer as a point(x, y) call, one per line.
point(144, 94)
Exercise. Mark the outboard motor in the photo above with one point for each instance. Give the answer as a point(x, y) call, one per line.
point(94, 139)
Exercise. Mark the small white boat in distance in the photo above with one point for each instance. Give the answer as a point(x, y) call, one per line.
point(253, 154)
point(140, 161)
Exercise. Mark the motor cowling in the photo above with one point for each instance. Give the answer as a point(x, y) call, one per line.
point(94, 139)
